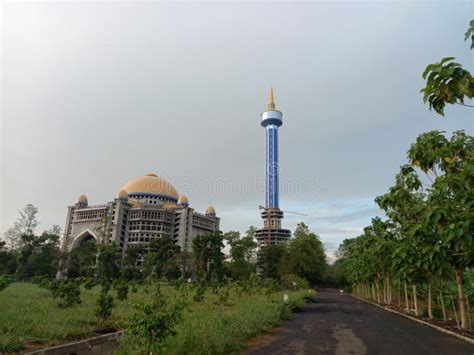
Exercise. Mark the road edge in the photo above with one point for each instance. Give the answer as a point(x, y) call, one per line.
point(440, 329)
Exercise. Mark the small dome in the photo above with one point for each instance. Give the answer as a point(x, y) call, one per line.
point(123, 195)
point(82, 200)
point(211, 211)
point(183, 200)
point(151, 184)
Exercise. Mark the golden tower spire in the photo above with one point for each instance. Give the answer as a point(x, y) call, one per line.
point(271, 101)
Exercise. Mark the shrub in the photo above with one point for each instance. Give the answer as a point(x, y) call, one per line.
point(199, 295)
point(4, 282)
point(153, 323)
point(122, 291)
point(68, 292)
point(223, 294)
point(105, 305)
point(89, 284)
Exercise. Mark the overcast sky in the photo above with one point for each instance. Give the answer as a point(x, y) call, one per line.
point(96, 94)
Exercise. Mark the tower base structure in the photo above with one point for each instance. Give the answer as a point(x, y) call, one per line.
point(272, 233)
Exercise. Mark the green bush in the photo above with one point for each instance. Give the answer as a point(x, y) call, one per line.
point(67, 291)
point(4, 282)
point(89, 284)
point(105, 304)
point(122, 291)
point(152, 324)
point(199, 295)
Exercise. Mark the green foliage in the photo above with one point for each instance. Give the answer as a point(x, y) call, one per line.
point(200, 292)
point(108, 262)
point(306, 257)
point(122, 291)
point(80, 262)
point(447, 82)
point(153, 323)
point(161, 259)
point(4, 282)
point(243, 253)
point(89, 283)
point(206, 328)
point(37, 256)
point(67, 291)
point(270, 260)
point(470, 33)
point(8, 263)
point(105, 304)
point(209, 257)
point(428, 234)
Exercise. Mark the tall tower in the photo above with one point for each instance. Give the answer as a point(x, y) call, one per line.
point(271, 214)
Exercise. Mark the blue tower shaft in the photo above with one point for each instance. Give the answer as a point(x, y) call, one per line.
point(272, 167)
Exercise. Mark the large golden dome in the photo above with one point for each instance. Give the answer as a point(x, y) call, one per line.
point(151, 184)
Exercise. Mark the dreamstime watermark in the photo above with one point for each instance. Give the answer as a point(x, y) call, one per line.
point(232, 186)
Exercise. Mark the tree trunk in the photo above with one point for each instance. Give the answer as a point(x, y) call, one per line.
point(377, 288)
point(385, 293)
point(430, 301)
point(461, 300)
point(389, 291)
point(407, 302)
point(399, 295)
point(373, 292)
point(415, 300)
point(443, 308)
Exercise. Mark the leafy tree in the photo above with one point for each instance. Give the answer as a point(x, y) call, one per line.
point(208, 255)
point(105, 304)
point(270, 260)
point(243, 253)
point(68, 292)
point(80, 261)
point(7, 260)
point(37, 256)
point(160, 258)
point(130, 270)
point(154, 322)
point(25, 225)
point(450, 198)
point(108, 262)
point(306, 256)
point(447, 82)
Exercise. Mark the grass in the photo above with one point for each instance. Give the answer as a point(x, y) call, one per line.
point(30, 318)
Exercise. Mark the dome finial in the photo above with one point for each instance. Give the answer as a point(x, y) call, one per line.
point(271, 101)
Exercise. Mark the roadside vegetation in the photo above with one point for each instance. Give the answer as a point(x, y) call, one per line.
point(174, 301)
point(420, 255)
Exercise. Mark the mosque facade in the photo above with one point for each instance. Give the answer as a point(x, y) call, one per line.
point(145, 209)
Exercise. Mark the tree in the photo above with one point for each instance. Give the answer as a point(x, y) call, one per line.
point(7, 260)
point(242, 252)
point(37, 256)
point(108, 261)
point(450, 200)
point(447, 82)
point(270, 260)
point(306, 255)
point(25, 225)
point(81, 261)
point(160, 257)
point(208, 256)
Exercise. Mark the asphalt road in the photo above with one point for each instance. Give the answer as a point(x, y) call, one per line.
point(340, 324)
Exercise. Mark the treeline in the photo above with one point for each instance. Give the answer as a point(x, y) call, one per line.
point(35, 257)
point(425, 244)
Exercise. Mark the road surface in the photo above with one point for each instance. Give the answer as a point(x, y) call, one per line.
point(340, 324)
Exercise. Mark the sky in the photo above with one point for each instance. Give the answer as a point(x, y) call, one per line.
point(94, 94)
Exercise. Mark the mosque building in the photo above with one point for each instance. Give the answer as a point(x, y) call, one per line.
point(145, 209)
